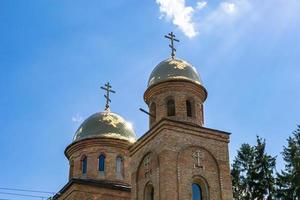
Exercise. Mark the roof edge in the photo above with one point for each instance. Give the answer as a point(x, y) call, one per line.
point(97, 183)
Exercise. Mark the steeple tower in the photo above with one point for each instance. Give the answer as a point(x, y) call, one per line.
point(175, 91)
point(179, 158)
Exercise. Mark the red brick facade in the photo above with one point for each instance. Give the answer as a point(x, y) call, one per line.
point(163, 164)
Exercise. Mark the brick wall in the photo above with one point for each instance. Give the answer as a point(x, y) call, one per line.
point(172, 145)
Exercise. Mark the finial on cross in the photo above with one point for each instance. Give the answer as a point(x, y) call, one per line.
point(171, 37)
point(108, 89)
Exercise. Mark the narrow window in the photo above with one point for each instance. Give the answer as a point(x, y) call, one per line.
point(71, 169)
point(84, 165)
point(152, 194)
point(171, 107)
point(153, 113)
point(149, 192)
point(101, 164)
point(119, 165)
point(196, 192)
point(202, 113)
point(188, 108)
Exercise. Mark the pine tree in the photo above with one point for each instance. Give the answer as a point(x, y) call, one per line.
point(263, 172)
point(252, 172)
point(288, 181)
point(236, 181)
point(241, 169)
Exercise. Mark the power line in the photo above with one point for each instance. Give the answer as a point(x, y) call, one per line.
point(24, 195)
point(23, 190)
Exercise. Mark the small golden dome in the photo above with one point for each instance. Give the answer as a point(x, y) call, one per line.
point(174, 69)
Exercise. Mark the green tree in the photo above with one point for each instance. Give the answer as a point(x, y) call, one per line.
point(263, 172)
point(288, 181)
point(241, 172)
point(252, 172)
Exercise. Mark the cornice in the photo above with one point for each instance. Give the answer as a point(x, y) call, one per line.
point(156, 88)
point(179, 126)
point(97, 183)
point(91, 142)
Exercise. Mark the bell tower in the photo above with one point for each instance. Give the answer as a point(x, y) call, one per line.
point(175, 90)
point(179, 158)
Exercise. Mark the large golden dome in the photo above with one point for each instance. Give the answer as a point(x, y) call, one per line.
point(105, 124)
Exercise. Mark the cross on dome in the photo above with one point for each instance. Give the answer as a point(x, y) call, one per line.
point(171, 37)
point(108, 89)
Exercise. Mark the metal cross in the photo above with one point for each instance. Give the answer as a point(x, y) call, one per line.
point(108, 89)
point(171, 37)
point(198, 156)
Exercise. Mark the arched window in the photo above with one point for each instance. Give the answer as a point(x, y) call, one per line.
point(71, 169)
point(149, 192)
point(101, 163)
point(202, 113)
point(153, 113)
point(196, 192)
point(171, 107)
point(188, 108)
point(119, 165)
point(84, 165)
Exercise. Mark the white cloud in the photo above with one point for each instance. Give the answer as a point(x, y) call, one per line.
point(228, 7)
point(224, 15)
point(201, 5)
point(186, 18)
point(77, 118)
point(180, 14)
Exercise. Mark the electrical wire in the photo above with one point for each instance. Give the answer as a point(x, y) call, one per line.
point(24, 195)
point(24, 190)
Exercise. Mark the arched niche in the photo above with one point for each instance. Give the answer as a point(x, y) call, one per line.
point(149, 191)
point(197, 165)
point(171, 107)
point(119, 167)
point(147, 172)
point(152, 110)
point(190, 107)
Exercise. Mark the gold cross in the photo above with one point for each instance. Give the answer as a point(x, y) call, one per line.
point(108, 89)
point(171, 37)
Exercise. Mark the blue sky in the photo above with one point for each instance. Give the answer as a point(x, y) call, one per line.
point(55, 55)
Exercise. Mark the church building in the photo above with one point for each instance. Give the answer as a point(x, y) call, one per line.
point(178, 158)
